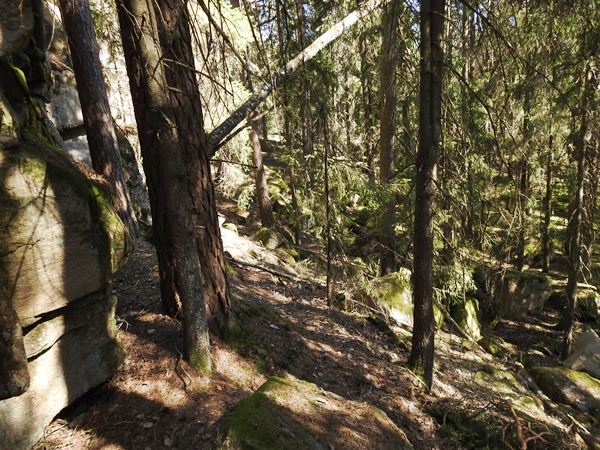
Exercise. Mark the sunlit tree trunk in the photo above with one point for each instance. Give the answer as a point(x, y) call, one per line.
point(167, 177)
point(430, 104)
point(97, 119)
point(180, 75)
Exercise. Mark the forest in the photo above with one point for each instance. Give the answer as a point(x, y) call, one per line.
point(449, 144)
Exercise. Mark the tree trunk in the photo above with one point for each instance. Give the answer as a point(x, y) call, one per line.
point(575, 222)
point(366, 80)
point(387, 236)
point(432, 27)
point(180, 74)
point(167, 177)
point(98, 121)
point(265, 209)
point(547, 210)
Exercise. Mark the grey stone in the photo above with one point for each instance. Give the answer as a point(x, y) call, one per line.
point(60, 239)
point(585, 355)
point(65, 108)
point(16, 26)
point(81, 359)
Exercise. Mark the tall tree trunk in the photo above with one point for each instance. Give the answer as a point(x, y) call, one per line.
point(167, 177)
point(98, 121)
point(180, 74)
point(387, 235)
point(265, 209)
point(590, 201)
point(547, 209)
point(366, 80)
point(430, 102)
point(575, 221)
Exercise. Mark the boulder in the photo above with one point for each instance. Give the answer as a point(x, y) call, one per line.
point(570, 387)
point(522, 292)
point(391, 294)
point(16, 26)
point(290, 414)
point(587, 303)
point(585, 355)
point(465, 315)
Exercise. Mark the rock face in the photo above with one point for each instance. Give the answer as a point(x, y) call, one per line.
point(288, 414)
point(16, 23)
point(59, 242)
point(585, 356)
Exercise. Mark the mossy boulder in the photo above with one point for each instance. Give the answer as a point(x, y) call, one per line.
point(587, 303)
point(570, 387)
point(391, 294)
point(465, 315)
point(271, 239)
point(290, 414)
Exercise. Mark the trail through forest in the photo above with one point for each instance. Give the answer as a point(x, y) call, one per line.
point(156, 400)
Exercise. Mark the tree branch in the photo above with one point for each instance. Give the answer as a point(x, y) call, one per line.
point(222, 130)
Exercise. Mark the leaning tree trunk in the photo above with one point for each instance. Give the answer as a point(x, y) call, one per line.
point(180, 73)
point(166, 175)
point(98, 121)
point(387, 234)
point(430, 101)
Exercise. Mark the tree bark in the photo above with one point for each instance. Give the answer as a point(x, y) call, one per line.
point(167, 177)
point(547, 210)
point(98, 121)
point(430, 98)
point(265, 209)
point(180, 74)
point(387, 237)
point(575, 222)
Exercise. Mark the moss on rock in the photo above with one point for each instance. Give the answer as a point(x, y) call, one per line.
point(290, 414)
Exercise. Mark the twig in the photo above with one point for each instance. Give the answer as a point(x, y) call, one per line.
point(275, 272)
point(523, 441)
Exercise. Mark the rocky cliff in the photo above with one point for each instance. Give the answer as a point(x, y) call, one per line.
point(60, 241)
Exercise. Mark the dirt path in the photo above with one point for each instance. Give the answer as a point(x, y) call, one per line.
point(155, 400)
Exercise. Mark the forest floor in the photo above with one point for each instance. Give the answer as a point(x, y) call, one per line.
point(156, 401)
